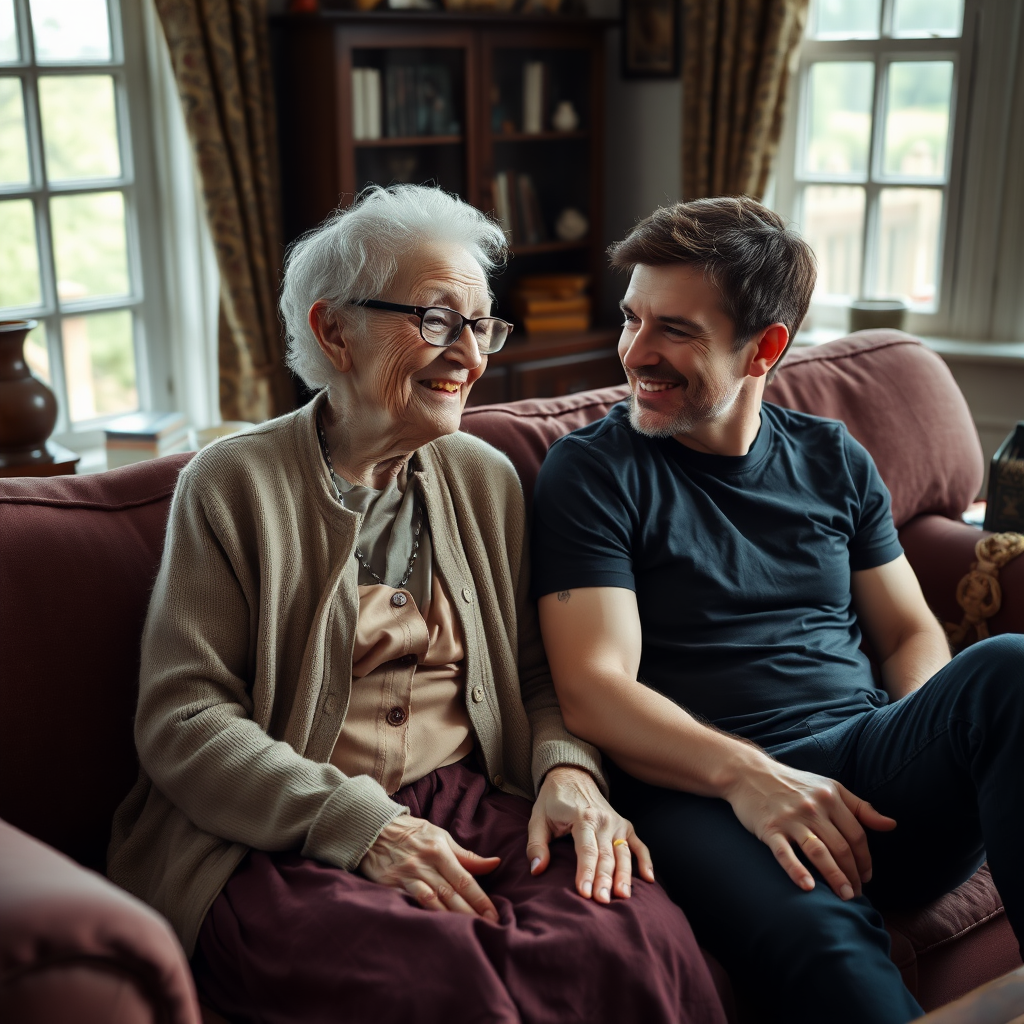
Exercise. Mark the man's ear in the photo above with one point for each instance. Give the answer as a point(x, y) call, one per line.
point(330, 335)
point(771, 343)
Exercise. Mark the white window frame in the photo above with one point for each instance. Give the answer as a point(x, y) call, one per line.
point(173, 278)
point(983, 212)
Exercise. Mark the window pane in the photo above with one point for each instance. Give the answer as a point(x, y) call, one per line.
point(99, 364)
point(833, 226)
point(70, 30)
point(89, 245)
point(839, 126)
point(13, 145)
point(845, 19)
point(917, 118)
point(8, 33)
point(79, 127)
point(908, 244)
point(927, 18)
point(19, 259)
point(36, 353)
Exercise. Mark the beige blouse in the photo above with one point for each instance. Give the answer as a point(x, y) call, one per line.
point(407, 711)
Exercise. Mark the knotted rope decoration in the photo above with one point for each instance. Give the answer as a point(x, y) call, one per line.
point(979, 593)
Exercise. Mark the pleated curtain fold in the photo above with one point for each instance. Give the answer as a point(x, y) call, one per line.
point(220, 55)
point(739, 58)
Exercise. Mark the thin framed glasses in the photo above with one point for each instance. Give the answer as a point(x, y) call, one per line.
point(442, 326)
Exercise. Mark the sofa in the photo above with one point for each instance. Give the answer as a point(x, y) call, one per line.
point(78, 556)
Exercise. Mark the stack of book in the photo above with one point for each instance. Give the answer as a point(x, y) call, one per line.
point(517, 208)
point(553, 303)
point(533, 97)
point(145, 435)
point(366, 119)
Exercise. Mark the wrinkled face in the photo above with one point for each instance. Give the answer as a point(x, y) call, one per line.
point(677, 349)
point(405, 387)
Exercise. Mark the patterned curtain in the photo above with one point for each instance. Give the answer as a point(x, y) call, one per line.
point(220, 54)
point(738, 59)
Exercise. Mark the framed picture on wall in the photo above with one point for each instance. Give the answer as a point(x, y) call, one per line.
point(650, 38)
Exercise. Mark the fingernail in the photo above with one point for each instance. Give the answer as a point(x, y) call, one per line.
point(492, 915)
point(866, 877)
point(587, 889)
point(625, 890)
point(846, 892)
point(604, 894)
point(533, 864)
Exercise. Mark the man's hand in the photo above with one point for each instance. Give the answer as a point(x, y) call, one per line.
point(570, 802)
point(415, 855)
point(787, 808)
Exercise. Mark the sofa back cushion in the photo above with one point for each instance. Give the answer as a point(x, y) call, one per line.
point(78, 556)
point(895, 395)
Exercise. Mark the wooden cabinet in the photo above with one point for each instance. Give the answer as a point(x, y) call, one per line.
point(471, 125)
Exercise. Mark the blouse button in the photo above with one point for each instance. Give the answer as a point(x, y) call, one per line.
point(399, 600)
point(499, 779)
point(478, 694)
point(396, 716)
point(467, 595)
point(406, 659)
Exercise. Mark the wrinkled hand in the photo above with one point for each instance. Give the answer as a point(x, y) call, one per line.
point(569, 801)
point(787, 808)
point(414, 855)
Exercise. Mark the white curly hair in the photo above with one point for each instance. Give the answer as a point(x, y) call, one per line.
point(355, 254)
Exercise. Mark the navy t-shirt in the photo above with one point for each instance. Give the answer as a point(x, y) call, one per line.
point(740, 564)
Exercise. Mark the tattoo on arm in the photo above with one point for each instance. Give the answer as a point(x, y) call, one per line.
point(564, 595)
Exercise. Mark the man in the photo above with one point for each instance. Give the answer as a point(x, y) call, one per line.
point(706, 566)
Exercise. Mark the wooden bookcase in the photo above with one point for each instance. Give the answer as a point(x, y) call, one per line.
point(480, 134)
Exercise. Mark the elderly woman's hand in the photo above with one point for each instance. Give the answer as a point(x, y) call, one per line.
point(570, 802)
point(417, 856)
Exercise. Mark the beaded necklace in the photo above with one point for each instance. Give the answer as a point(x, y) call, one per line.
point(360, 557)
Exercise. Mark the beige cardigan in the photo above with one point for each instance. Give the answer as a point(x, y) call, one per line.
point(247, 657)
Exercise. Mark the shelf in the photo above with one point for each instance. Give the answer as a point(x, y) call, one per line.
point(539, 247)
point(408, 140)
point(539, 136)
point(523, 347)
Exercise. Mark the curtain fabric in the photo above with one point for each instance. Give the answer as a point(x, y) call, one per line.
point(220, 54)
point(738, 59)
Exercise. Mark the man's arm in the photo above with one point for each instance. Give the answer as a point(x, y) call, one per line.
point(907, 639)
point(593, 640)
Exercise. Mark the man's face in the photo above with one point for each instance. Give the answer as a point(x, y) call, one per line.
point(677, 347)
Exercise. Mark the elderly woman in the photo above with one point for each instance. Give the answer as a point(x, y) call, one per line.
point(345, 718)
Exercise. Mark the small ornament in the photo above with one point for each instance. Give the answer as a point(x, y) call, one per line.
point(565, 118)
point(571, 225)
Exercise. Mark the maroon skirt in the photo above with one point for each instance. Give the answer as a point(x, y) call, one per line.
point(293, 941)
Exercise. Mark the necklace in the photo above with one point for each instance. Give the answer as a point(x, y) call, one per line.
point(360, 557)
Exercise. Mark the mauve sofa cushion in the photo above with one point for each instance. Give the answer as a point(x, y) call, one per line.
point(896, 396)
point(78, 556)
point(67, 933)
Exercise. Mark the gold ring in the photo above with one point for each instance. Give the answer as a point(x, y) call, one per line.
point(619, 842)
point(810, 835)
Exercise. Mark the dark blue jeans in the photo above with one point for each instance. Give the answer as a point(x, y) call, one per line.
point(947, 762)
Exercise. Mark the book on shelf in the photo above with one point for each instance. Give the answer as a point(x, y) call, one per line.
point(534, 75)
point(556, 324)
point(418, 101)
point(517, 208)
point(145, 435)
point(366, 121)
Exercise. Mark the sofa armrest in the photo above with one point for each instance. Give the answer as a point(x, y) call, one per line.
point(999, 1002)
point(74, 947)
point(941, 551)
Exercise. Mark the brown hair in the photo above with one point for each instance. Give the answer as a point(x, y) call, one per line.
point(763, 271)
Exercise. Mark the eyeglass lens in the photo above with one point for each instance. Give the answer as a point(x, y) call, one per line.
point(443, 327)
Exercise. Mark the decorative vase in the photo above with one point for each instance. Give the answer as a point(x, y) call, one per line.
point(565, 118)
point(28, 409)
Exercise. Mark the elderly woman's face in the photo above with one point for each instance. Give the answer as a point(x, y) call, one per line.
point(411, 387)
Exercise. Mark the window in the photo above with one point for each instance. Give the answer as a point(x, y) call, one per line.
point(871, 158)
point(99, 223)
